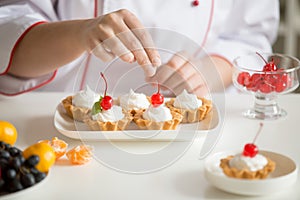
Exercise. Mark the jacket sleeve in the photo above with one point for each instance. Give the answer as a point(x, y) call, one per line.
point(15, 21)
point(251, 26)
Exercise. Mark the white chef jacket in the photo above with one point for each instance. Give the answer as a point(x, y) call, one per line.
point(226, 28)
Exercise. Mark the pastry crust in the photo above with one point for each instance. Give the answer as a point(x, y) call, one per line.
point(191, 116)
point(246, 174)
point(75, 112)
point(132, 111)
point(152, 125)
point(97, 125)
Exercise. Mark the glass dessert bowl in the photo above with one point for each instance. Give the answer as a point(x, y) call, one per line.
point(266, 76)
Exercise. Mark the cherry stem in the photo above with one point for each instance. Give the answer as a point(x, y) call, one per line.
point(158, 88)
point(262, 57)
point(105, 82)
point(259, 130)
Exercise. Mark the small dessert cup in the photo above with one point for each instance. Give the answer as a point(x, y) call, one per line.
point(189, 115)
point(75, 112)
point(251, 75)
point(143, 123)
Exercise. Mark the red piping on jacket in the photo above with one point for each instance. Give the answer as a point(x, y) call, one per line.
point(208, 28)
point(33, 88)
point(88, 59)
point(17, 43)
point(10, 61)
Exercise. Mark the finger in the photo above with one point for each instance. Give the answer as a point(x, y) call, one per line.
point(102, 53)
point(144, 37)
point(146, 40)
point(134, 45)
point(113, 44)
point(195, 83)
point(163, 73)
point(201, 91)
point(116, 46)
point(178, 60)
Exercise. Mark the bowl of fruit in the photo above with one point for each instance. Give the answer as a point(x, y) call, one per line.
point(266, 76)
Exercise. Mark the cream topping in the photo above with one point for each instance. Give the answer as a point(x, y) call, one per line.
point(187, 101)
point(158, 114)
point(85, 98)
point(134, 101)
point(255, 163)
point(111, 115)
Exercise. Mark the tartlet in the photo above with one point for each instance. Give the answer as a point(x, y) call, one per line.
point(133, 102)
point(79, 105)
point(245, 173)
point(143, 123)
point(98, 125)
point(190, 115)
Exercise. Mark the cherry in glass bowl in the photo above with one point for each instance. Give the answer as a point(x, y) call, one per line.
point(266, 76)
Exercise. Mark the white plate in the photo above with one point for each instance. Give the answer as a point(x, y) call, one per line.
point(25, 191)
point(284, 175)
point(78, 130)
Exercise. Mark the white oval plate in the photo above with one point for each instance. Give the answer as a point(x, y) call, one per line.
point(284, 175)
point(185, 132)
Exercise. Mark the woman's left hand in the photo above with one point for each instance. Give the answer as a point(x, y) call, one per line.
point(181, 72)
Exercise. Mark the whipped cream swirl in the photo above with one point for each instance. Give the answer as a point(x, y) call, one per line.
point(85, 98)
point(255, 163)
point(111, 115)
point(157, 114)
point(134, 101)
point(187, 101)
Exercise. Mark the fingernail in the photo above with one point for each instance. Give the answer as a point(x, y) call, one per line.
point(129, 57)
point(149, 70)
point(156, 61)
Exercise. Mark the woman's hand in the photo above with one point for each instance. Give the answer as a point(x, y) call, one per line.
point(181, 72)
point(121, 34)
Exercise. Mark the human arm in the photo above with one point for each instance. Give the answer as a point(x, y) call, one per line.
point(51, 45)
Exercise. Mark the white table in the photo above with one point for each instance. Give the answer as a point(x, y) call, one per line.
point(33, 113)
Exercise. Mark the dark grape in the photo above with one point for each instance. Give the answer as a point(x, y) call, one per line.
point(14, 151)
point(3, 162)
point(2, 145)
point(15, 163)
point(32, 161)
point(14, 185)
point(10, 174)
point(39, 176)
point(4, 154)
point(6, 146)
point(27, 180)
point(2, 182)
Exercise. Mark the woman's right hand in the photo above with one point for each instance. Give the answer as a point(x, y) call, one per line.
point(121, 34)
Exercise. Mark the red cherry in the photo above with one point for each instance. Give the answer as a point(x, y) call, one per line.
point(106, 102)
point(270, 66)
point(255, 81)
point(266, 88)
point(157, 99)
point(271, 79)
point(280, 86)
point(195, 3)
point(250, 150)
point(243, 78)
point(286, 79)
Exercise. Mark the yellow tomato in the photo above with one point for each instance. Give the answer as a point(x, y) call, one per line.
point(8, 132)
point(45, 152)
